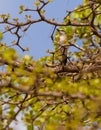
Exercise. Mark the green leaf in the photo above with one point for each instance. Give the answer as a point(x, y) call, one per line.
point(22, 7)
point(9, 54)
point(16, 19)
point(29, 127)
point(37, 3)
point(50, 0)
point(1, 36)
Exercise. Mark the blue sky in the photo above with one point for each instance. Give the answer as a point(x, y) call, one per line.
point(37, 38)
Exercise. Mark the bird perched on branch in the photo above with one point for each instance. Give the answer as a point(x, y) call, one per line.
point(63, 46)
point(62, 37)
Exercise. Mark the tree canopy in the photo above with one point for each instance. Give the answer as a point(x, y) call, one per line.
point(46, 94)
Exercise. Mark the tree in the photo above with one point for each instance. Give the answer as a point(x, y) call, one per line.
point(49, 95)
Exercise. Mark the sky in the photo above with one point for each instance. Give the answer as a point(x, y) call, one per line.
point(37, 38)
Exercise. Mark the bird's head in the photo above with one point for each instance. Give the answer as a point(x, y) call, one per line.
point(61, 32)
point(62, 36)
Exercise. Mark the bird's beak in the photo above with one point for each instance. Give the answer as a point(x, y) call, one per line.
point(58, 30)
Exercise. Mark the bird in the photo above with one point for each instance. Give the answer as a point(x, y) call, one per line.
point(62, 36)
point(63, 46)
